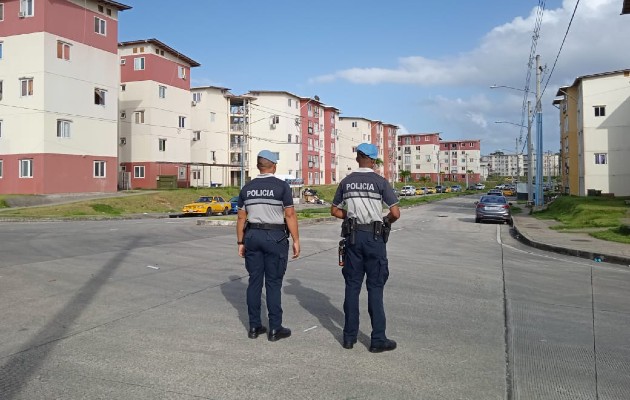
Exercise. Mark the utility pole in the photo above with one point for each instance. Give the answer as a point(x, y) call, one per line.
point(518, 164)
point(437, 160)
point(243, 138)
point(530, 158)
point(466, 159)
point(539, 135)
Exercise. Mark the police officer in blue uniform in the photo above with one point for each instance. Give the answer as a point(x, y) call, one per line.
point(266, 218)
point(359, 202)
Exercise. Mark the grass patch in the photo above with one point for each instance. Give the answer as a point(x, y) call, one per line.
point(105, 209)
point(620, 234)
point(3, 203)
point(585, 212)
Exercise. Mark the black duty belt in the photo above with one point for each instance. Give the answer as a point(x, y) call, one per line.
point(269, 227)
point(366, 227)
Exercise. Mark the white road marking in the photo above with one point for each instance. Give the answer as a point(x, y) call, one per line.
point(310, 329)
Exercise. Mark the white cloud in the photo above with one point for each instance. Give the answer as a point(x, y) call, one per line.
point(596, 43)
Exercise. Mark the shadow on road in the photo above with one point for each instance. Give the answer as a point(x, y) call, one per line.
point(20, 367)
point(235, 292)
point(319, 305)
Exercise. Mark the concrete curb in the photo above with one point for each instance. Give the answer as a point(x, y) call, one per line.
point(609, 258)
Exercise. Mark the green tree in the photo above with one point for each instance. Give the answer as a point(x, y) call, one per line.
point(404, 175)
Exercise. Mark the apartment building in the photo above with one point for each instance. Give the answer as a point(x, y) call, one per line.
point(594, 121)
point(505, 164)
point(418, 153)
point(154, 120)
point(389, 138)
point(460, 160)
point(58, 96)
point(356, 130)
point(212, 139)
point(426, 156)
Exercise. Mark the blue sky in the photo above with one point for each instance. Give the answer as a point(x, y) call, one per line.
point(425, 66)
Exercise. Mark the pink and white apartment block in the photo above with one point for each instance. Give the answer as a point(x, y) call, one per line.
point(154, 118)
point(426, 156)
point(356, 130)
point(58, 96)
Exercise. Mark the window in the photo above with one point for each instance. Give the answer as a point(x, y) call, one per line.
point(197, 97)
point(0, 168)
point(1, 11)
point(26, 87)
point(26, 8)
point(63, 50)
point(162, 92)
point(212, 116)
point(101, 8)
point(99, 96)
point(0, 128)
point(1, 46)
point(26, 168)
point(123, 87)
point(100, 26)
point(354, 124)
point(289, 102)
point(601, 158)
point(138, 63)
point(600, 111)
point(63, 128)
point(196, 135)
point(182, 122)
point(138, 117)
point(0, 89)
point(138, 171)
point(162, 144)
point(99, 169)
point(181, 72)
point(289, 138)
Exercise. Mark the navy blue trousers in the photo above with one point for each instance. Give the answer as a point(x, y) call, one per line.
point(366, 258)
point(266, 258)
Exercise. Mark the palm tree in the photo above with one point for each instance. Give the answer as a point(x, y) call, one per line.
point(404, 175)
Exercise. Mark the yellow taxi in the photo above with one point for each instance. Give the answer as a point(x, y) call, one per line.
point(207, 205)
point(508, 192)
point(430, 190)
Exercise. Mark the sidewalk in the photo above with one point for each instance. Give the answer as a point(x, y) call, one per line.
point(538, 233)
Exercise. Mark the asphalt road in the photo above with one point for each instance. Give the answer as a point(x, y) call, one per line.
point(155, 309)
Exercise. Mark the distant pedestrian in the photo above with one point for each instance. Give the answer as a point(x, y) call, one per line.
point(359, 202)
point(266, 218)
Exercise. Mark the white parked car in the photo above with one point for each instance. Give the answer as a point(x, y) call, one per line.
point(408, 191)
point(480, 186)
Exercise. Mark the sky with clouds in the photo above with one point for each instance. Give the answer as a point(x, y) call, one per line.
point(424, 66)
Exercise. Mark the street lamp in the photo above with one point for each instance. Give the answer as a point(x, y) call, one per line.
point(530, 161)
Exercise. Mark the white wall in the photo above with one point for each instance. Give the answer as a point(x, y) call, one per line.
point(161, 121)
point(608, 134)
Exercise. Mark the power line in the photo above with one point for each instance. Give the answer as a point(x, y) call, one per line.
point(561, 46)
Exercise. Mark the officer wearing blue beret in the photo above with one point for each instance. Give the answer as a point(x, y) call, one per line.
point(359, 202)
point(266, 218)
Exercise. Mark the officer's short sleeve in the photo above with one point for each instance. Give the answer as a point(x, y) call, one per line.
point(338, 199)
point(287, 196)
point(241, 201)
point(389, 197)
